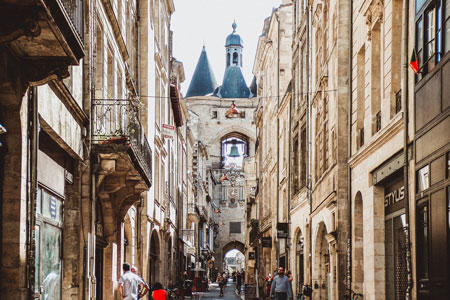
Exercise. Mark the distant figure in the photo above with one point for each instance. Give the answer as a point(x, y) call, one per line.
point(142, 292)
point(158, 292)
point(268, 284)
point(281, 286)
point(238, 282)
point(221, 281)
point(130, 284)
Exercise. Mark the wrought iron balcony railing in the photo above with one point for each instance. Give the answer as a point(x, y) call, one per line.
point(74, 9)
point(116, 122)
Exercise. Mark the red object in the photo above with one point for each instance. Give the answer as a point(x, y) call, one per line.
point(414, 62)
point(159, 295)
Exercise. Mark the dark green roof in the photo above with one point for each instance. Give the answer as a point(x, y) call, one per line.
point(233, 85)
point(203, 81)
point(234, 39)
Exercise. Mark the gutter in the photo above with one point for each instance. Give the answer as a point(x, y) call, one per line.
point(405, 40)
point(308, 140)
point(349, 154)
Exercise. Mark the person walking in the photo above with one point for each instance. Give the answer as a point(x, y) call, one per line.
point(158, 292)
point(238, 282)
point(281, 287)
point(221, 281)
point(130, 285)
point(142, 292)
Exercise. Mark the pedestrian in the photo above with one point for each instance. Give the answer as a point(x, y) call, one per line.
point(130, 285)
point(221, 281)
point(281, 287)
point(135, 271)
point(268, 284)
point(158, 292)
point(238, 282)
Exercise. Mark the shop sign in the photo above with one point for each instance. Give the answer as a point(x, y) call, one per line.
point(168, 131)
point(251, 255)
point(282, 230)
point(394, 196)
point(266, 242)
point(190, 250)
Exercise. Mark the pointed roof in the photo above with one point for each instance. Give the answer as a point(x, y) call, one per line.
point(203, 81)
point(233, 85)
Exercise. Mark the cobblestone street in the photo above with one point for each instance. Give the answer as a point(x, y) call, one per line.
point(229, 292)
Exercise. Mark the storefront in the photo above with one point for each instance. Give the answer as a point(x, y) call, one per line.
point(389, 176)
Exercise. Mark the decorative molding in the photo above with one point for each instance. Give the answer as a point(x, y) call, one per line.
point(374, 14)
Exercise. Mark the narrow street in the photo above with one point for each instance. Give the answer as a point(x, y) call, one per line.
point(229, 292)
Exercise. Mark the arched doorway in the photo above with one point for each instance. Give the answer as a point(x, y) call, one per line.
point(322, 267)
point(232, 248)
point(299, 261)
point(358, 245)
point(154, 266)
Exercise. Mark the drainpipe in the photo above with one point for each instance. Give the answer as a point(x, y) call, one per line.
point(278, 140)
point(308, 138)
point(33, 121)
point(349, 152)
point(405, 40)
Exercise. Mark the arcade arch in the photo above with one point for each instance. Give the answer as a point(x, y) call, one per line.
point(322, 266)
point(154, 258)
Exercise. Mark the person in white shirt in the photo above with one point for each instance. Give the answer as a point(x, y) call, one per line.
point(130, 284)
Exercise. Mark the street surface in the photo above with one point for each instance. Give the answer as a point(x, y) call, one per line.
point(229, 292)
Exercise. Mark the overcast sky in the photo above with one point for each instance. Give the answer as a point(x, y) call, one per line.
point(198, 22)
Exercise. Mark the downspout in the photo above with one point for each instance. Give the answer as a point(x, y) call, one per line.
point(405, 40)
point(308, 139)
point(289, 179)
point(138, 42)
point(278, 140)
point(33, 121)
point(349, 152)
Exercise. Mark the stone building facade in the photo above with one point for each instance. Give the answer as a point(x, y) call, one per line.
point(83, 104)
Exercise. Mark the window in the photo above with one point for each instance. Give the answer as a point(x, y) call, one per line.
point(235, 58)
point(295, 162)
point(423, 181)
point(235, 227)
point(423, 241)
point(361, 137)
point(49, 218)
point(431, 42)
point(398, 101)
point(378, 121)
point(214, 114)
point(303, 157)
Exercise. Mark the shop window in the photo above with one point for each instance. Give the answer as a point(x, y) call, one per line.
point(48, 245)
point(423, 241)
point(423, 181)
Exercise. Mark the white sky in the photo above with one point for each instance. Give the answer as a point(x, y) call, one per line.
point(232, 253)
point(209, 21)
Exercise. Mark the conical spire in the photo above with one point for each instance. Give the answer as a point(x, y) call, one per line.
point(203, 81)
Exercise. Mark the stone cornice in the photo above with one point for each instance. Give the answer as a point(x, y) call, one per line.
point(378, 140)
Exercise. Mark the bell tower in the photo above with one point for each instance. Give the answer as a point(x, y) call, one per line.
point(234, 47)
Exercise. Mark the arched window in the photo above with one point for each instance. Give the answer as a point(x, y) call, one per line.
point(228, 59)
point(234, 148)
point(235, 58)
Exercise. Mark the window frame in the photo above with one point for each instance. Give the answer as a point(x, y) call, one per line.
point(428, 62)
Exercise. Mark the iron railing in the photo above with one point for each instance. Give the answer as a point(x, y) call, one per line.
point(74, 9)
point(116, 122)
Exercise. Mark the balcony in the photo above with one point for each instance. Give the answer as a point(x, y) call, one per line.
point(117, 129)
point(193, 213)
point(45, 35)
point(121, 154)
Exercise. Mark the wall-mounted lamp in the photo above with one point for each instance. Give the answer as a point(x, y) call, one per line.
point(2, 129)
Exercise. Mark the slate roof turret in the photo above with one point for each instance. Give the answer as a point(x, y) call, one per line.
point(203, 81)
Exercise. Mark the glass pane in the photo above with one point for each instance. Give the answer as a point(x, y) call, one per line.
point(52, 206)
point(423, 181)
point(38, 201)
point(422, 240)
point(389, 261)
point(419, 4)
point(438, 32)
point(38, 253)
point(447, 34)
point(447, 9)
point(430, 37)
point(401, 274)
point(51, 262)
